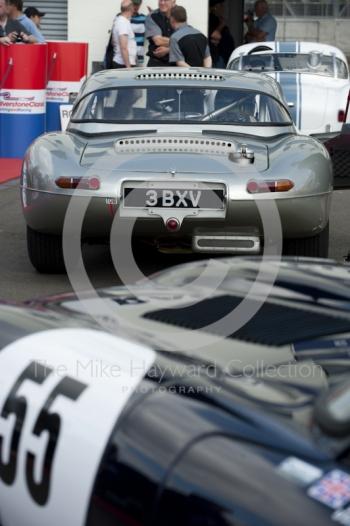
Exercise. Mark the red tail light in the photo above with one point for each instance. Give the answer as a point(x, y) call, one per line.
point(341, 116)
point(261, 187)
point(173, 225)
point(83, 183)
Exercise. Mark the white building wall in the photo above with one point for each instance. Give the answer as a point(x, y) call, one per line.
point(326, 30)
point(89, 21)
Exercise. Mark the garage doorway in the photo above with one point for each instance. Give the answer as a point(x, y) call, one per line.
point(234, 14)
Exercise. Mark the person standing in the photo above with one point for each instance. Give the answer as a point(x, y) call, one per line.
point(221, 41)
point(123, 37)
point(158, 33)
point(15, 12)
point(35, 15)
point(138, 26)
point(11, 30)
point(264, 28)
point(188, 46)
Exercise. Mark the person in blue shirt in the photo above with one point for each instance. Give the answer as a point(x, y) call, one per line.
point(138, 25)
point(264, 28)
point(35, 15)
point(15, 12)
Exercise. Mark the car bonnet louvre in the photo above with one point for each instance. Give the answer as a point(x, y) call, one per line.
point(174, 144)
point(273, 325)
point(180, 76)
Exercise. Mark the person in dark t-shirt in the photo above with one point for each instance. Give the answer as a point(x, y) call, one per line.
point(158, 33)
point(188, 46)
point(221, 41)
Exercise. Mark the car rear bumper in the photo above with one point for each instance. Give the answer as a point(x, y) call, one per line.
point(300, 217)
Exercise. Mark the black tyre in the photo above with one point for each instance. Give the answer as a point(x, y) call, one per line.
point(45, 252)
point(315, 246)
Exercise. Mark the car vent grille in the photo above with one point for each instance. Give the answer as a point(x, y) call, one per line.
point(179, 76)
point(341, 167)
point(174, 144)
point(341, 163)
point(272, 325)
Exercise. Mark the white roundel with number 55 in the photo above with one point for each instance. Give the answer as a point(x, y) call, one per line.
point(61, 393)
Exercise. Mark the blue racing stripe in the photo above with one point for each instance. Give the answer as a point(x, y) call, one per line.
point(289, 84)
point(300, 93)
point(298, 123)
point(288, 47)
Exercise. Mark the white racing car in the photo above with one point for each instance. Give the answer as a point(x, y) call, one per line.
point(314, 79)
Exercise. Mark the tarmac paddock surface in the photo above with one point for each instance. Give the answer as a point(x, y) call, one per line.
point(9, 169)
point(19, 281)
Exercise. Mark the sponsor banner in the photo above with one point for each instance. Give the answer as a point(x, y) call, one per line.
point(22, 102)
point(59, 91)
point(18, 131)
point(65, 113)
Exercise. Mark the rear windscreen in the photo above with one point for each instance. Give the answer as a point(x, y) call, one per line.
point(181, 105)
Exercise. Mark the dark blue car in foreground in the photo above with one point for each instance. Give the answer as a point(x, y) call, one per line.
point(162, 420)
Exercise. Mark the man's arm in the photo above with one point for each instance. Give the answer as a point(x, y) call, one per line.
point(17, 29)
point(176, 55)
point(123, 41)
point(34, 31)
point(216, 34)
point(28, 39)
point(5, 41)
point(182, 64)
point(208, 62)
point(161, 51)
point(161, 41)
point(261, 33)
point(256, 35)
point(154, 32)
point(253, 34)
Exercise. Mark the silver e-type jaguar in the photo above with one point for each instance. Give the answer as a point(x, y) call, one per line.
point(206, 160)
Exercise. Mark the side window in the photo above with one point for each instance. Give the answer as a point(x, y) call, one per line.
point(263, 114)
point(234, 64)
point(342, 70)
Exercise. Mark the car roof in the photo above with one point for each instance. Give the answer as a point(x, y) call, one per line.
point(291, 47)
point(171, 76)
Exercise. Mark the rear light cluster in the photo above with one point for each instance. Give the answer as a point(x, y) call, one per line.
point(261, 187)
point(341, 116)
point(83, 183)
